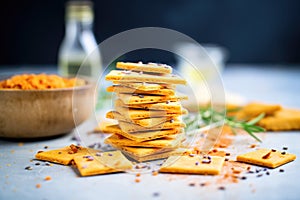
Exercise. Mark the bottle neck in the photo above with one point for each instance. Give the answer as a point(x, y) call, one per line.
point(75, 27)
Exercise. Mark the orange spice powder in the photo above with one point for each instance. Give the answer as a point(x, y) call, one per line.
point(39, 81)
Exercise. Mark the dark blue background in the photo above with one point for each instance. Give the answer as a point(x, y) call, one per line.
point(257, 31)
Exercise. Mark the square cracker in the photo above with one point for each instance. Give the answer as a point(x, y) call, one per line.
point(145, 86)
point(175, 106)
point(285, 119)
point(143, 99)
point(102, 163)
point(128, 90)
point(169, 141)
point(275, 159)
point(156, 156)
point(147, 122)
point(192, 165)
point(149, 67)
point(63, 155)
point(132, 113)
point(140, 136)
point(131, 127)
point(252, 110)
point(122, 76)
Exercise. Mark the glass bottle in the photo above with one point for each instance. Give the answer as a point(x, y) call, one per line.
point(79, 49)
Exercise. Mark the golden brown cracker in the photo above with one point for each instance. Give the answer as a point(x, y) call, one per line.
point(252, 110)
point(282, 120)
point(63, 155)
point(168, 105)
point(141, 136)
point(128, 90)
point(102, 163)
point(145, 67)
point(129, 76)
point(168, 142)
point(195, 164)
point(131, 127)
point(266, 157)
point(144, 99)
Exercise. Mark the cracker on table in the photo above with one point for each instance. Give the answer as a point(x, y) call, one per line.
point(63, 155)
point(122, 76)
point(145, 67)
point(128, 90)
point(102, 163)
point(165, 142)
point(195, 164)
point(252, 110)
point(284, 119)
point(266, 157)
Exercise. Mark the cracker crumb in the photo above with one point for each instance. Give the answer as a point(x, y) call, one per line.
point(47, 178)
point(38, 185)
point(154, 173)
point(137, 180)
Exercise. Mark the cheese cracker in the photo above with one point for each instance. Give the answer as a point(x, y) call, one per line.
point(149, 67)
point(266, 157)
point(102, 163)
point(195, 164)
point(128, 76)
point(63, 155)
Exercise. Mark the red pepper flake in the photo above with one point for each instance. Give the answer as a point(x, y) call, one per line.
point(137, 180)
point(252, 146)
point(214, 150)
point(38, 185)
point(154, 173)
point(267, 155)
point(248, 168)
point(59, 152)
point(47, 178)
point(74, 148)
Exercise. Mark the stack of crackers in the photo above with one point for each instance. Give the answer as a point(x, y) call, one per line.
point(147, 109)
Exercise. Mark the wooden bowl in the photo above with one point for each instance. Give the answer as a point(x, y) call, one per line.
point(44, 113)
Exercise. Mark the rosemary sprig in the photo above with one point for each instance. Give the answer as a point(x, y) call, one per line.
point(209, 115)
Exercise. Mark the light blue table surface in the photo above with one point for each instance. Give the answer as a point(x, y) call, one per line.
point(272, 84)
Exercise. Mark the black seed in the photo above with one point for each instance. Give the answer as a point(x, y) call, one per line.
point(28, 168)
point(202, 184)
point(243, 177)
point(283, 153)
point(155, 194)
point(141, 96)
point(45, 147)
point(273, 150)
point(192, 184)
point(281, 170)
point(250, 172)
point(285, 148)
point(227, 154)
point(221, 188)
point(226, 159)
point(37, 163)
point(268, 173)
point(259, 175)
